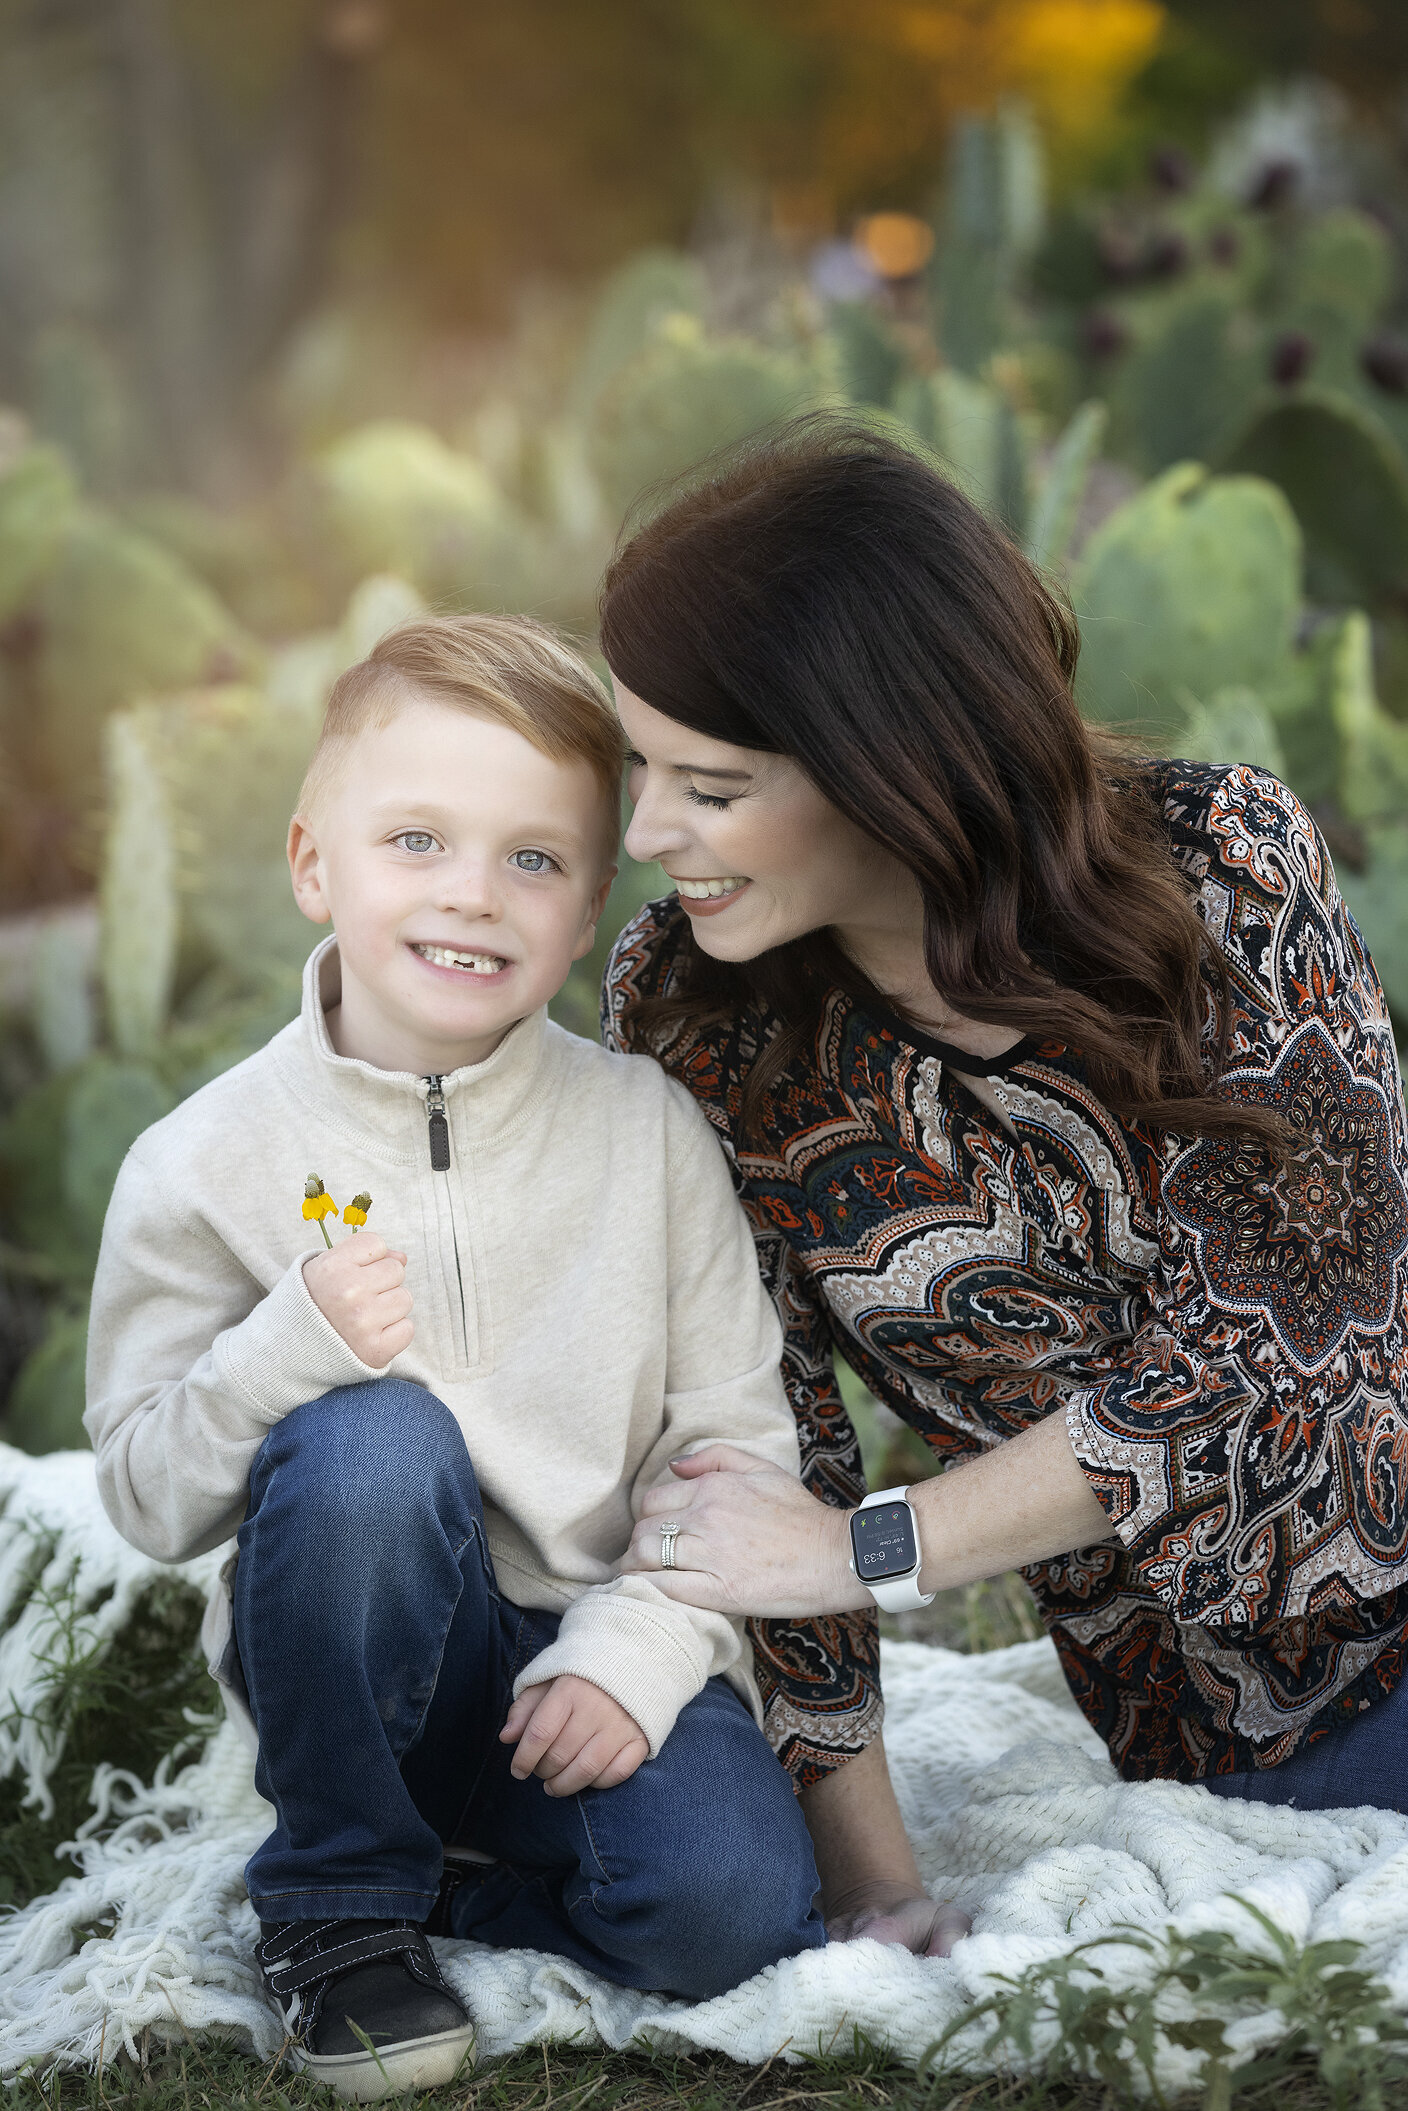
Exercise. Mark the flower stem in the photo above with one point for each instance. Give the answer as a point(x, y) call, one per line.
point(322, 1226)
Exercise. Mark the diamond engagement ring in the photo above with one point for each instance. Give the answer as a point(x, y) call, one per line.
point(669, 1533)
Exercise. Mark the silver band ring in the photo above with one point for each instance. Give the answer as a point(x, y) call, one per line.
point(669, 1533)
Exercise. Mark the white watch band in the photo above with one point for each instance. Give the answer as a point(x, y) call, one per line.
point(901, 1594)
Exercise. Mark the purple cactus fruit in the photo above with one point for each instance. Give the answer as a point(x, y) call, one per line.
point(1292, 356)
point(1275, 185)
point(1170, 169)
point(1167, 255)
point(1105, 335)
point(1385, 360)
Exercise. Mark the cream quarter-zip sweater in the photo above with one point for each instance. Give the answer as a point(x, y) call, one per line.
point(587, 1305)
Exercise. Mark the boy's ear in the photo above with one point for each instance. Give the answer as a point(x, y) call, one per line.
point(305, 866)
point(595, 910)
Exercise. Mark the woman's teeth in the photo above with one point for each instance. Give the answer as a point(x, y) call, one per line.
point(705, 890)
point(468, 963)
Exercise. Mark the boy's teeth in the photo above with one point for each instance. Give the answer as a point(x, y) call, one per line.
point(702, 890)
point(475, 963)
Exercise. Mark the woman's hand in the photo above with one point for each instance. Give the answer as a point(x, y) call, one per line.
point(751, 1540)
point(894, 1914)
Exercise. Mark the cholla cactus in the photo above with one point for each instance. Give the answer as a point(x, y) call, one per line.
point(140, 917)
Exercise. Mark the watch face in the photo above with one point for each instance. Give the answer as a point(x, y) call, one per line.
point(883, 1542)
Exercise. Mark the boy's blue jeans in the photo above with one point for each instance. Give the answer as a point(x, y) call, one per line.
point(379, 1658)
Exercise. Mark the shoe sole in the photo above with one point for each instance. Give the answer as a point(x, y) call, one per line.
point(416, 2063)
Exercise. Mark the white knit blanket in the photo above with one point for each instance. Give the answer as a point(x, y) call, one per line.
point(1011, 1802)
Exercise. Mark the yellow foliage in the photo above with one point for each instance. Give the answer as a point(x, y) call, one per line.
point(900, 70)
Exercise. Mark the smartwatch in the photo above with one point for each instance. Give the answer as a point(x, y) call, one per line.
point(885, 1551)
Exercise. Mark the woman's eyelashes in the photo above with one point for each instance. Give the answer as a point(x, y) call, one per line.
point(698, 798)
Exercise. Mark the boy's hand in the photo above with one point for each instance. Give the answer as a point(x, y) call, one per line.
point(574, 1736)
point(360, 1288)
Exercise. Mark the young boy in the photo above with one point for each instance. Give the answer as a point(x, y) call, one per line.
point(434, 1429)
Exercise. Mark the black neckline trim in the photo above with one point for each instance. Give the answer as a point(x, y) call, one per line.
point(958, 1059)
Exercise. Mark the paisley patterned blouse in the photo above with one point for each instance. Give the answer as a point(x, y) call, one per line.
point(1227, 1342)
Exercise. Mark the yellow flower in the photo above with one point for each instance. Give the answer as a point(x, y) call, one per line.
point(355, 1213)
point(317, 1204)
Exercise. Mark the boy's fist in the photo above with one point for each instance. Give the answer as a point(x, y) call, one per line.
point(574, 1735)
point(360, 1288)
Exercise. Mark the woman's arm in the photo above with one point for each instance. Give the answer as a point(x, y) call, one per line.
point(754, 1541)
point(870, 1881)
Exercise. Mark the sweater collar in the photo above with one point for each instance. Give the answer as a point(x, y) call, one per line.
point(480, 1100)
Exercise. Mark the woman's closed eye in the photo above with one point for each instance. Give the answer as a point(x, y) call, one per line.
point(698, 798)
point(534, 861)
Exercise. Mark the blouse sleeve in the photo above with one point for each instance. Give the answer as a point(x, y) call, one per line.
point(819, 1679)
point(1249, 1443)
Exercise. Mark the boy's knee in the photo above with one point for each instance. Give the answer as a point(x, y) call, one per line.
point(386, 1442)
point(742, 1900)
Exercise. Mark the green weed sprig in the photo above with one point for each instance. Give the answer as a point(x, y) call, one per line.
point(1335, 2014)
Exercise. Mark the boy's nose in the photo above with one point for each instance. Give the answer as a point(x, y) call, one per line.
point(469, 890)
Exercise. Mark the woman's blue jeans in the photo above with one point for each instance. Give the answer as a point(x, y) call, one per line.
point(379, 1657)
point(1362, 1761)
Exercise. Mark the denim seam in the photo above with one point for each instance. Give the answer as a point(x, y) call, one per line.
point(474, 1533)
point(606, 1877)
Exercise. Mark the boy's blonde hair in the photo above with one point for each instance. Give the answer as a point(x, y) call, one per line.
point(509, 668)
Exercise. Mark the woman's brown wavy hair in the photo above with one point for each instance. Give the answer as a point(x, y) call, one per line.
point(827, 594)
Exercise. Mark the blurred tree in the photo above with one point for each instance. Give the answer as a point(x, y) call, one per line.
point(170, 178)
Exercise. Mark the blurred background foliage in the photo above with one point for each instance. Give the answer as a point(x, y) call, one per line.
point(312, 315)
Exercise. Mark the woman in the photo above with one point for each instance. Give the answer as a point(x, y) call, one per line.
point(1063, 1098)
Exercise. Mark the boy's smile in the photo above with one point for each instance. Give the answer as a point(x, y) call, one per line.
point(462, 869)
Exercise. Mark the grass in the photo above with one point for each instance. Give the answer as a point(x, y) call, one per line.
point(130, 1705)
point(556, 2078)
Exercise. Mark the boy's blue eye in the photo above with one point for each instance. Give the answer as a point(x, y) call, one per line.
point(532, 861)
point(416, 839)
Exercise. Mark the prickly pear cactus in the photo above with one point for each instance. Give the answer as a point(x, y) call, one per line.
point(1377, 899)
point(1056, 502)
point(995, 204)
point(44, 1407)
point(636, 299)
point(1188, 383)
point(109, 1107)
point(138, 894)
point(977, 435)
point(871, 359)
point(687, 395)
point(61, 1005)
point(37, 501)
point(1373, 748)
point(1191, 587)
point(120, 619)
point(1348, 482)
point(1234, 725)
point(392, 497)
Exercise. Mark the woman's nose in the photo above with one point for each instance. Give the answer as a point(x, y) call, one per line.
point(652, 833)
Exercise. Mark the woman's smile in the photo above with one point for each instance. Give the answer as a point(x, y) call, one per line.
point(708, 897)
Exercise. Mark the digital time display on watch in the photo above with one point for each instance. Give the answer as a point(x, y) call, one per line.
point(883, 1542)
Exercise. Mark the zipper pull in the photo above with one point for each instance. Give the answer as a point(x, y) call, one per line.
point(439, 1127)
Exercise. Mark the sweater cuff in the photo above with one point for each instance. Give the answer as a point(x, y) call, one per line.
point(649, 1663)
point(287, 1352)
